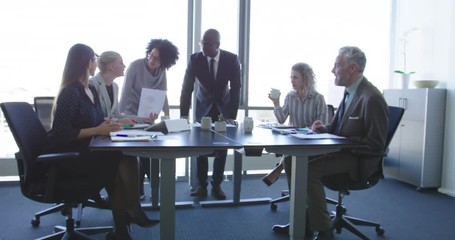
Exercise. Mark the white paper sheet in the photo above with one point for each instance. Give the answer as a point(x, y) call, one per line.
point(152, 101)
point(131, 139)
point(134, 132)
point(316, 136)
point(177, 125)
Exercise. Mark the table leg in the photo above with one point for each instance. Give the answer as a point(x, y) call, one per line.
point(237, 176)
point(167, 207)
point(154, 182)
point(193, 173)
point(298, 198)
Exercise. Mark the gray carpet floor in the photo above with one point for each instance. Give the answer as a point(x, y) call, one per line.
point(403, 212)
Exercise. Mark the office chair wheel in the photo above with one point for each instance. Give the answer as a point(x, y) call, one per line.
point(273, 206)
point(379, 231)
point(35, 222)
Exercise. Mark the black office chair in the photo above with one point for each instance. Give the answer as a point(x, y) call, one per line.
point(43, 109)
point(285, 193)
point(343, 184)
point(38, 173)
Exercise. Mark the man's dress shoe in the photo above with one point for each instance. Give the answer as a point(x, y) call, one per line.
point(284, 229)
point(218, 193)
point(199, 192)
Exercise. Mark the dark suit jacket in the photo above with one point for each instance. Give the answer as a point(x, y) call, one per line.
point(224, 92)
point(365, 120)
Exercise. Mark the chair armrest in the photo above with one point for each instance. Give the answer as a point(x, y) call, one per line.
point(52, 158)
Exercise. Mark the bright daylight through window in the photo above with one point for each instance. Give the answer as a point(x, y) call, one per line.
point(36, 36)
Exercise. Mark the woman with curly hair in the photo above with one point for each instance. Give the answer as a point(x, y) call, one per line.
point(303, 105)
point(148, 72)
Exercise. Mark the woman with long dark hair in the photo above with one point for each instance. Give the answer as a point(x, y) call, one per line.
point(77, 117)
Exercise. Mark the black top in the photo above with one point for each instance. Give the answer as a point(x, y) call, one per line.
point(74, 111)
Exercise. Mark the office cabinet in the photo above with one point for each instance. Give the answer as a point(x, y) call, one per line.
point(415, 153)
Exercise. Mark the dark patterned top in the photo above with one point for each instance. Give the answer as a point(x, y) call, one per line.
point(74, 111)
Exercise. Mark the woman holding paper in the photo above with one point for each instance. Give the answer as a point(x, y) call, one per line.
point(148, 73)
point(77, 117)
point(111, 66)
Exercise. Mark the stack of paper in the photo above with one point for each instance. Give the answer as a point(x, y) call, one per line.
point(317, 136)
point(130, 139)
point(291, 130)
point(133, 136)
point(137, 126)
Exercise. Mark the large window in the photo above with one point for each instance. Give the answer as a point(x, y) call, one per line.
point(36, 37)
point(286, 32)
point(223, 16)
point(39, 34)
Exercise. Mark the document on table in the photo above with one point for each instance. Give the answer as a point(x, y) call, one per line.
point(316, 136)
point(291, 130)
point(137, 126)
point(136, 132)
point(133, 135)
point(152, 101)
point(131, 139)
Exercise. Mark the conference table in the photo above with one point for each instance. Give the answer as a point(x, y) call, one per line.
point(168, 148)
point(199, 142)
point(253, 143)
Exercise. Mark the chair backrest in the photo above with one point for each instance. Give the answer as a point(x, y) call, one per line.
point(395, 115)
point(43, 108)
point(29, 133)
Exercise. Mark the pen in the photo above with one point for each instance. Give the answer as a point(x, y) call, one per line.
point(124, 135)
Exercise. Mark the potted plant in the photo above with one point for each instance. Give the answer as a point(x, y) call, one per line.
point(405, 77)
point(405, 74)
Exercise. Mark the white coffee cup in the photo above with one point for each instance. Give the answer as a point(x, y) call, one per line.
point(274, 93)
point(248, 124)
point(206, 123)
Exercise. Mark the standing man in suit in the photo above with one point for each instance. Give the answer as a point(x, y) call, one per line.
point(214, 74)
point(362, 116)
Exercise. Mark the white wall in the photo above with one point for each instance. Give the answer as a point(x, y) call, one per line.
point(431, 53)
point(448, 177)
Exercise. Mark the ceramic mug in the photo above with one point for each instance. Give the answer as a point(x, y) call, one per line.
point(206, 123)
point(248, 124)
point(274, 93)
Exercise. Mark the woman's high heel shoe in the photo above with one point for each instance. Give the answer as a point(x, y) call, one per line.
point(142, 221)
